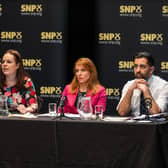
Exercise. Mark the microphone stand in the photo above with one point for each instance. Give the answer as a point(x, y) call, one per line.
point(61, 105)
point(148, 102)
point(62, 115)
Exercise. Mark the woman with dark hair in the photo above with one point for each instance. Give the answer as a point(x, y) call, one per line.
point(16, 84)
point(84, 83)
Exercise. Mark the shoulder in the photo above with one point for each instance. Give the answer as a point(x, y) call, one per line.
point(67, 88)
point(26, 78)
point(160, 81)
point(100, 88)
point(158, 78)
point(129, 83)
point(28, 82)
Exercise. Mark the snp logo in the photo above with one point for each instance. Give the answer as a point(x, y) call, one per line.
point(164, 66)
point(165, 10)
point(125, 66)
point(51, 37)
point(31, 9)
point(109, 38)
point(50, 91)
point(131, 10)
point(113, 93)
point(15, 37)
point(0, 9)
point(32, 64)
point(151, 38)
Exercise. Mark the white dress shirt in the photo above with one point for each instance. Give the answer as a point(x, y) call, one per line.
point(159, 91)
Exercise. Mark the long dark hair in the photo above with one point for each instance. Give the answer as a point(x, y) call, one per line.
point(20, 74)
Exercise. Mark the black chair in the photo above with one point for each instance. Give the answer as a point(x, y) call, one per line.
point(40, 103)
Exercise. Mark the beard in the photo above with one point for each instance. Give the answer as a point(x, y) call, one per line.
point(138, 75)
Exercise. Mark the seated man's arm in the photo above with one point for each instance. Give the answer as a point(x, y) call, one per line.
point(124, 106)
point(162, 99)
point(155, 107)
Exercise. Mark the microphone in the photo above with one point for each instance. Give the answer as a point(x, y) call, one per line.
point(61, 105)
point(148, 104)
point(62, 101)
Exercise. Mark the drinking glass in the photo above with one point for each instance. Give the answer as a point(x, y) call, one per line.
point(99, 112)
point(3, 105)
point(52, 107)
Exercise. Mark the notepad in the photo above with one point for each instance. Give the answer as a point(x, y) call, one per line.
point(26, 115)
point(109, 118)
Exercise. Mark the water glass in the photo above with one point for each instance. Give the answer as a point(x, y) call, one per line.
point(3, 105)
point(52, 107)
point(99, 112)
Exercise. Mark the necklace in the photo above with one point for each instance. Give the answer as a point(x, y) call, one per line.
point(82, 94)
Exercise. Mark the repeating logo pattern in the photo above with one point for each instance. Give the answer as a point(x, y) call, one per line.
point(121, 30)
point(31, 9)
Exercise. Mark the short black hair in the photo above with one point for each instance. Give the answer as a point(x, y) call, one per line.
point(147, 55)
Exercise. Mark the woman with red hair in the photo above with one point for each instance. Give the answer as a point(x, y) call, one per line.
point(84, 83)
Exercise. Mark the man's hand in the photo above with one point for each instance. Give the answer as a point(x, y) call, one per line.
point(140, 84)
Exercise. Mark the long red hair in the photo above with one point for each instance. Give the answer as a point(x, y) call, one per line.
point(93, 81)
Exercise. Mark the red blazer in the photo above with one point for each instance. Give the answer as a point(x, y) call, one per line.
point(97, 99)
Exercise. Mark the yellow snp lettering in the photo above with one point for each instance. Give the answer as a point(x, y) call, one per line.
point(126, 64)
point(32, 62)
point(164, 65)
point(109, 36)
point(29, 62)
point(109, 91)
point(112, 92)
point(151, 37)
point(27, 8)
point(50, 90)
point(31, 8)
point(130, 8)
point(127, 9)
point(165, 9)
point(51, 35)
point(11, 35)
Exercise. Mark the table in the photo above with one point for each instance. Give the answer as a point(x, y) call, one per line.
point(27, 143)
point(46, 143)
point(114, 145)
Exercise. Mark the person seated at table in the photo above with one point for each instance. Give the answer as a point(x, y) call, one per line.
point(84, 83)
point(16, 84)
point(145, 90)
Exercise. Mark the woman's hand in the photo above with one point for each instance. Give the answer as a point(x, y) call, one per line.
point(22, 109)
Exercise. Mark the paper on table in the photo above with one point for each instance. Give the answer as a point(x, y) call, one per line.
point(159, 115)
point(72, 115)
point(66, 114)
point(44, 115)
point(109, 118)
point(26, 115)
point(144, 121)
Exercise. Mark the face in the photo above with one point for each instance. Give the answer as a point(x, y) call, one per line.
point(9, 66)
point(142, 69)
point(82, 74)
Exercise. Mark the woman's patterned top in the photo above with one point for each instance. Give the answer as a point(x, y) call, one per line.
point(27, 96)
